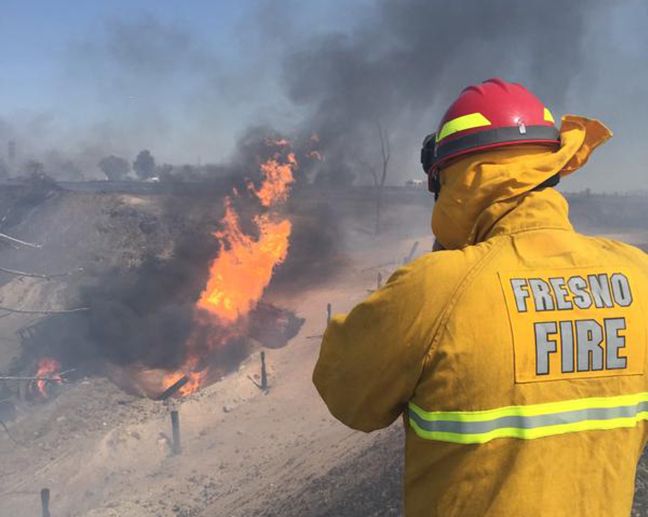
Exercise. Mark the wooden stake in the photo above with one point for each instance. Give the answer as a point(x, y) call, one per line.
point(328, 313)
point(379, 281)
point(45, 498)
point(173, 388)
point(175, 432)
point(264, 373)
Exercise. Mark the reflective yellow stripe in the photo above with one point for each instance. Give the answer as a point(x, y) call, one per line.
point(531, 421)
point(532, 409)
point(462, 123)
point(529, 434)
point(548, 116)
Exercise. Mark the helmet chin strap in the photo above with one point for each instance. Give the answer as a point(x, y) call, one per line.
point(437, 246)
point(434, 182)
point(549, 182)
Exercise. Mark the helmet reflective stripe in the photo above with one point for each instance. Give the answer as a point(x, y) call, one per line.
point(530, 422)
point(496, 137)
point(492, 114)
point(470, 121)
point(548, 116)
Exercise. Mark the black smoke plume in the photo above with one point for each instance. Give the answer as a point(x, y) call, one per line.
point(402, 65)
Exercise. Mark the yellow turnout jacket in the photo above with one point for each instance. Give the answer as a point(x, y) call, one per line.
point(518, 357)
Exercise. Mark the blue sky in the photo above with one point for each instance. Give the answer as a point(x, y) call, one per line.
point(63, 72)
point(37, 37)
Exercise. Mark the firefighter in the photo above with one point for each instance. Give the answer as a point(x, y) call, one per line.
point(517, 354)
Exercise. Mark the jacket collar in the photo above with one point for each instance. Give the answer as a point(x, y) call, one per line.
point(545, 208)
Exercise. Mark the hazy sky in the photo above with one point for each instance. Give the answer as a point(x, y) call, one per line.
point(38, 37)
point(87, 67)
point(185, 79)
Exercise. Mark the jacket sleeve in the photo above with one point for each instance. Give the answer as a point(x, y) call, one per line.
point(371, 359)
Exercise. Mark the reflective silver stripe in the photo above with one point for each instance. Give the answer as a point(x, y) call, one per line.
point(527, 422)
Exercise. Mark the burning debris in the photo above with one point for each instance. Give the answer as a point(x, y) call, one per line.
point(272, 325)
point(38, 386)
point(243, 268)
point(48, 371)
point(174, 388)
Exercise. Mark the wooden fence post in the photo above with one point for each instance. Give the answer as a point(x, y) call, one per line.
point(176, 448)
point(264, 373)
point(45, 499)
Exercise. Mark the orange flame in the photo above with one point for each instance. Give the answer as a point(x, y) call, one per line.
point(277, 180)
point(240, 273)
point(281, 142)
point(48, 368)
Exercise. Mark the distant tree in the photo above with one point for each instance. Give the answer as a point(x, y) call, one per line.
point(144, 165)
point(114, 167)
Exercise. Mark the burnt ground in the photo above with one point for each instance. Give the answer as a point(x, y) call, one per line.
point(103, 452)
point(369, 483)
point(366, 482)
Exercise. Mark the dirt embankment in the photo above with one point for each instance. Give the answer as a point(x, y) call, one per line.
point(104, 453)
point(244, 452)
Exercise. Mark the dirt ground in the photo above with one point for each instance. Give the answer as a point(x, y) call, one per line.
point(245, 452)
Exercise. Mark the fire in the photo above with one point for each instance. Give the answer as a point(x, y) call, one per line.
point(242, 270)
point(193, 384)
point(240, 274)
point(315, 155)
point(48, 368)
point(277, 180)
point(281, 142)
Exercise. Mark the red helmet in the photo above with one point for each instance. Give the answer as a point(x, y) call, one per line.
point(492, 114)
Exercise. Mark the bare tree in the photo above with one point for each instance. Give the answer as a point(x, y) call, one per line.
point(379, 174)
